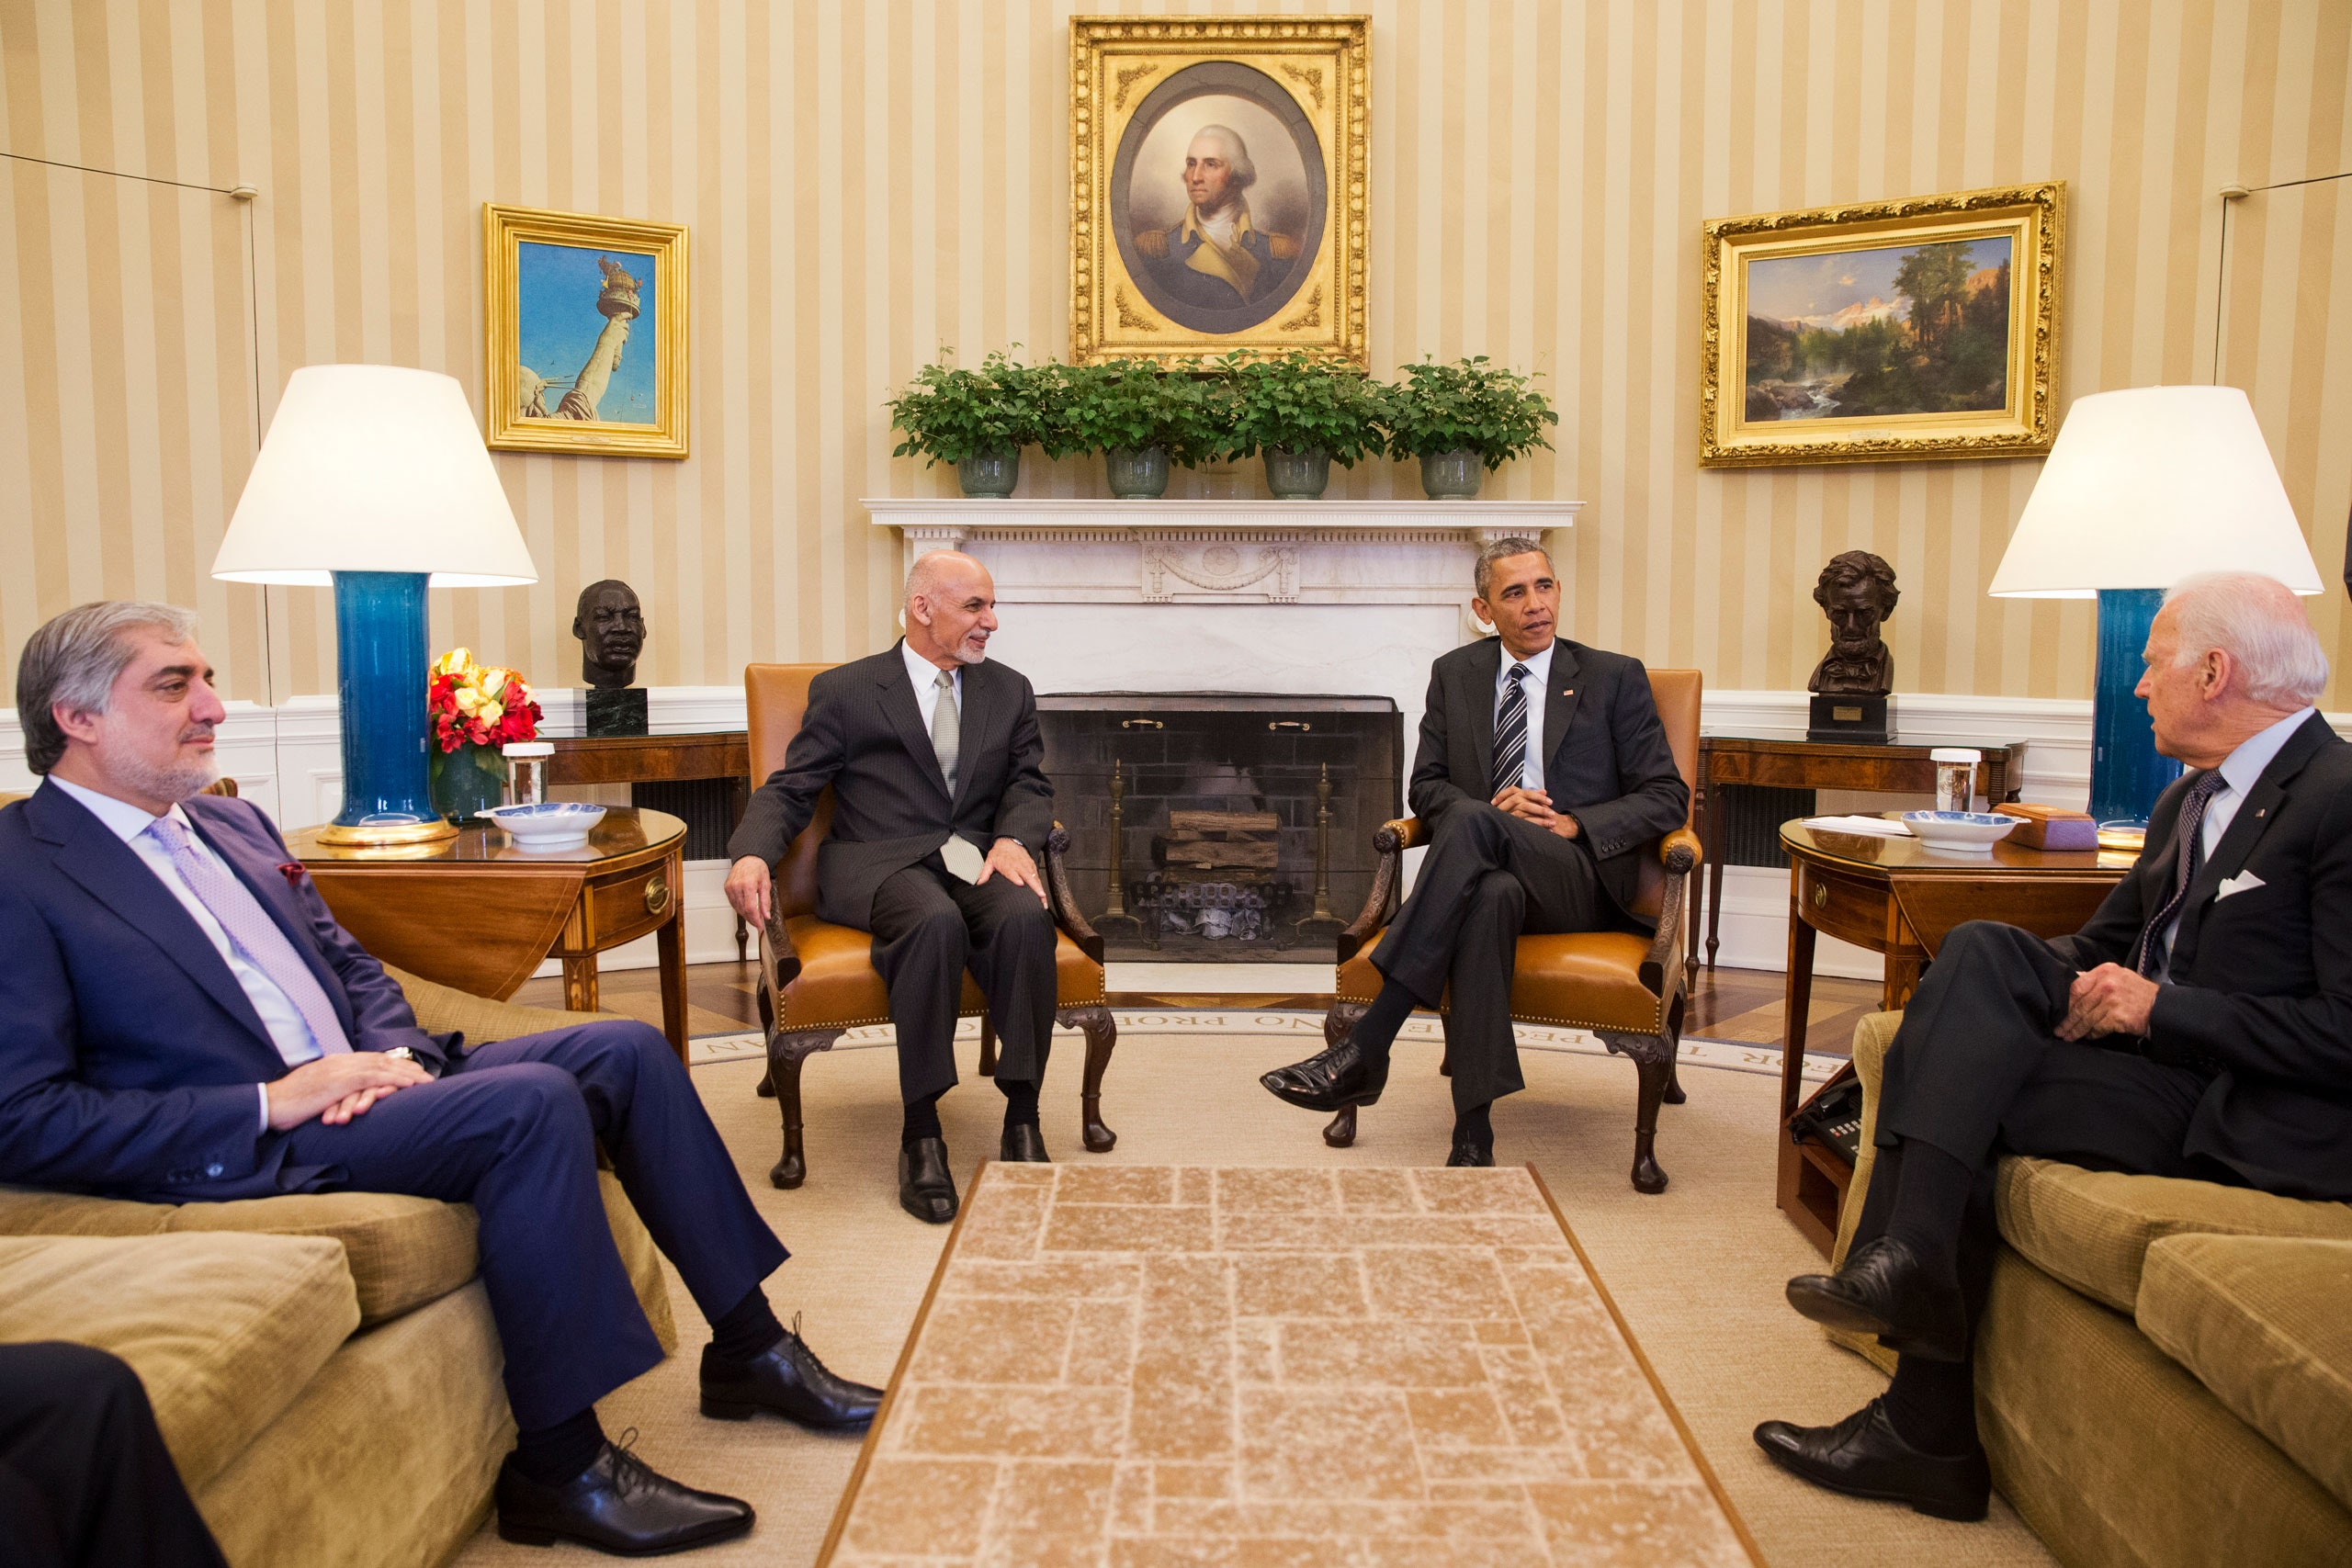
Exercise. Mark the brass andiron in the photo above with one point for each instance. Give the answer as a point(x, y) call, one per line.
point(1116, 910)
point(1322, 917)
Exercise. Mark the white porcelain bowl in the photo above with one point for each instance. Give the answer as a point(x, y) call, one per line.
point(1962, 832)
point(551, 825)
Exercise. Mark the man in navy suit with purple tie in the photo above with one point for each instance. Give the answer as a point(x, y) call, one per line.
point(182, 1020)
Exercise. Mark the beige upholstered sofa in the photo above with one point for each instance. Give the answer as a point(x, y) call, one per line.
point(323, 1368)
point(2164, 1374)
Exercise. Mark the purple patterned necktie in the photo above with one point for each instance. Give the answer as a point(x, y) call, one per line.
point(2188, 848)
point(258, 936)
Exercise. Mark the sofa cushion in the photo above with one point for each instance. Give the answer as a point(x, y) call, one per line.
point(442, 1009)
point(403, 1252)
point(29, 1211)
point(224, 1331)
point(2267, 1325)
point(2090, 1228)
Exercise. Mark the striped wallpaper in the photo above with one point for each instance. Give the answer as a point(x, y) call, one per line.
point(868, 182)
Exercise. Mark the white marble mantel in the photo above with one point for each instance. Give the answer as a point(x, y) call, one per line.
point(1337, 597)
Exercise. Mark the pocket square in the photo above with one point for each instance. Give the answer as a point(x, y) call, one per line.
point(2243, 882)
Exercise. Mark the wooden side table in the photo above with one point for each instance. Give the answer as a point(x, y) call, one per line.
point(1896, 897)
point(1737, 760)
point(663, 759)
point(479, 912)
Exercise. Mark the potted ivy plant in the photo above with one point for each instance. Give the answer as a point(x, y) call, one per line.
point(1463, 421)
point(1299, 414)
point(1140, 418)
point(977, 419)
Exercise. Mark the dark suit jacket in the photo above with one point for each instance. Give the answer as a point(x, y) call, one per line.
point(864, 735)
point(128, 1051)
point(1606, 761)
point(2260, 992)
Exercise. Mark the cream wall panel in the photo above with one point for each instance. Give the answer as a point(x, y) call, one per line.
point(870, 182)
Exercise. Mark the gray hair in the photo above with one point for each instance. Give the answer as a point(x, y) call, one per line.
point(1503, 549)
point(2258, 623)
point(72, 661)
point(1236, 154)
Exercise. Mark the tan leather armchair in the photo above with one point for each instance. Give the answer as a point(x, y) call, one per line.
point(818, 980)
point(1623, 987)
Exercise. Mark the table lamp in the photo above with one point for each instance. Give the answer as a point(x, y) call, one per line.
point(373, 479)
point(2144, 488)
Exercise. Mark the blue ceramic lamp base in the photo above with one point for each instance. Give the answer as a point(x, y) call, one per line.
point(381, 660)
point(2127, 772)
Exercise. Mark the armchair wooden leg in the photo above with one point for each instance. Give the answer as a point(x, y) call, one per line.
point(1102, 1032)
point(767, 1027)
point(785, 1053)
point(1653, 1057)
point(987, 1046)
point(1674, 1095)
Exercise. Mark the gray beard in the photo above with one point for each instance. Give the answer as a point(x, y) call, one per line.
point(171, 783)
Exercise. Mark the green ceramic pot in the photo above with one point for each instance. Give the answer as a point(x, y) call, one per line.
point(1137, 473)
point(990, 476)
point(466, 780)
point(1458, 475)
point(1297, 476)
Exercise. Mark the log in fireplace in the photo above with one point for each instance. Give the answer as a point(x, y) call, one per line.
point(1221, 826)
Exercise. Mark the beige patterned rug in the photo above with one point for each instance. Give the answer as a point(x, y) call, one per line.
point(1156, 1364)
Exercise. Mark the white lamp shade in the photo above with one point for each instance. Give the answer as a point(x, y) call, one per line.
point(2147, 485)
point(374, 468)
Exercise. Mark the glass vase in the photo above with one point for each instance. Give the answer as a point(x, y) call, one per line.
point(468, 780)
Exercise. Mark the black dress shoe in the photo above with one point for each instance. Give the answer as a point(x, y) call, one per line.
point(1864, 1456)
point(617, 1504)
point(1884, 1290)
point(926, 1188)
point(1329, 1080)
point(1467, 1152)
point(1022, 1144)
point(786, 1380)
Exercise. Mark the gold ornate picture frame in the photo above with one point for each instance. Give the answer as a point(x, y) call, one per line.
point(585, 333)
point(1883, 330)
point(1218, 185)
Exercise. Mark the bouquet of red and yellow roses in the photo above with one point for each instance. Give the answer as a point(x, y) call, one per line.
point(483, 704)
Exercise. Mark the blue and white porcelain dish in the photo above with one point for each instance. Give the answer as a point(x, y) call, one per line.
point(1962, 832)
point(550, 825)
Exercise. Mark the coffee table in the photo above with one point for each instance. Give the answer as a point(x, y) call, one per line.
point(1132, 1364)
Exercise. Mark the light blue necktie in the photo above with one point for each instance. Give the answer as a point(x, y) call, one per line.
point(258, 937)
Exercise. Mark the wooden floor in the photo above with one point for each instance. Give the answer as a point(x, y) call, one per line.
point(1726, 1004)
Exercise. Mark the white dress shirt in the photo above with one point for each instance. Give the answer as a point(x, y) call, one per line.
point(1539, 670)
point(2239, 770)
point(129, 823)
point(925, 676)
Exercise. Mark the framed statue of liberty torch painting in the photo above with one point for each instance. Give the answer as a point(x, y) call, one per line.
point(585, 322)
point(1218, 185)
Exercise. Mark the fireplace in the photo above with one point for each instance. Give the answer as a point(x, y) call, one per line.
point(1219, 826)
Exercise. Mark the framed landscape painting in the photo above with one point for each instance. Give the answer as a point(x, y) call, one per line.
point(1218, 185)
point(1922, 328)
point(586, 327)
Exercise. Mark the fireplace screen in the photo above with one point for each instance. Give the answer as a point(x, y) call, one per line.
point(1216, 826)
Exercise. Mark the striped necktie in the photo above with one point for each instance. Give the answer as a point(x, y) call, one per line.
point(1511, 732)
point(258, 936)
point(2188, 846)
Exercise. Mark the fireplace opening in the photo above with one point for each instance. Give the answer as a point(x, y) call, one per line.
point(1219, 825)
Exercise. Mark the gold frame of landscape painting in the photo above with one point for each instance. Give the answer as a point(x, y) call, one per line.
point(569, 302)
point(1261, 119)
point(1886, 331)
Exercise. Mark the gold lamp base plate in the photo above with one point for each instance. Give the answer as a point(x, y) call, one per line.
point(387, 835)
